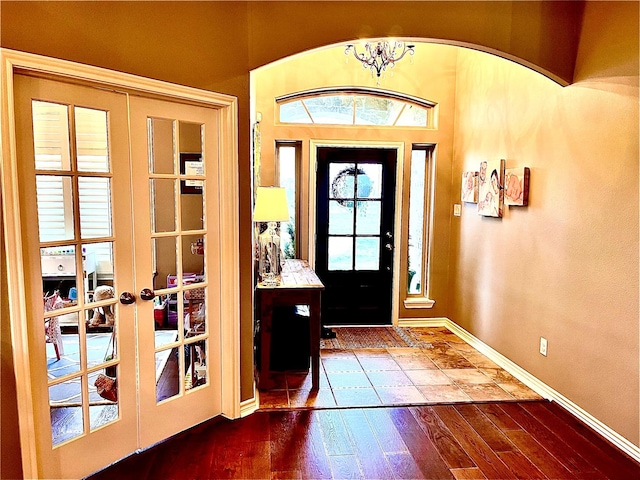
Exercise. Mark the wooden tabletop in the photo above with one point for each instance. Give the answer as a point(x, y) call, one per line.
point(297, 274)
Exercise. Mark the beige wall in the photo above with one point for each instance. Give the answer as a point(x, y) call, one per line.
point(566, 266)
point(430, 75)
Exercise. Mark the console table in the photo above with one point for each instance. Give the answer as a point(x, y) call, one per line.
point(300, 286)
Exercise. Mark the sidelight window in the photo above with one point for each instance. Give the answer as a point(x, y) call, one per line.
point(420, 215)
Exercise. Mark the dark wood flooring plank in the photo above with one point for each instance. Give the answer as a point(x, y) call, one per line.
point(497, 416)
point(420, 446)
point(372, 460)
point(547, 438)
point(473, 473)
point(485, 458)
point(345, 467)
point(521, 466)
point(256, 461)
point(285, 445)
point(599, 461)
point(335, 434)
point(388, 437)
point(485, 428)
point(450, 450)
point(607, 458)
point(539, 456)
point(288, 475)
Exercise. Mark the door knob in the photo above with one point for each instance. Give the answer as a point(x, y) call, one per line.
point(147, 294)
point(388, 246)
point(127, 298)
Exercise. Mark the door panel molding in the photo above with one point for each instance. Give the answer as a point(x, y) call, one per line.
point(14, 62)
point(313, 165)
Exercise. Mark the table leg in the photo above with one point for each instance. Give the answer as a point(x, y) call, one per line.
point(314, 328)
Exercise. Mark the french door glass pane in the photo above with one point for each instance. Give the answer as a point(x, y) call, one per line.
point(91, 140)
point(94, 194)
point(368, 253)
point(368, 218)
point(195, 364)
point(162, 146)
point(192, 206)
point(340, 253)
point(101, 410)
point(65, 404)
point(54, 196)
point(340, 218)
point(51, 136)
point(63, 350)
point(168, 373)
point(193, 248)
point(58, 265)
point(164, 250)
point(163, 204)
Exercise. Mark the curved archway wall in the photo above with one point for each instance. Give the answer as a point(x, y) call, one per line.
point(214, 45)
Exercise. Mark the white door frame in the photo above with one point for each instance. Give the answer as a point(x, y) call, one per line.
point(399, 147)
point(14, 62)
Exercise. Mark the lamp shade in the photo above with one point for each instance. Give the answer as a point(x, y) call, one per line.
point(271, 205)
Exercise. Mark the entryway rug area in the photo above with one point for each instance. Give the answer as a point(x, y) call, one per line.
point(348, 338)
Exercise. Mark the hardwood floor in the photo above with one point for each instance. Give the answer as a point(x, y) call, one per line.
point(493, 440)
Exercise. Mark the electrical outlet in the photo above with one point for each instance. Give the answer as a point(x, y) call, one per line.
point(543, 346)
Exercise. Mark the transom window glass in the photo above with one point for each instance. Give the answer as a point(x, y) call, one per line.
point(355, 107)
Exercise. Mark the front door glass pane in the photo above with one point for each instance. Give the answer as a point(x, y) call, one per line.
point(341, 180)
point(367, 253)
point(340, 218)
point(340, 253)
point(369, 180)
point(368, 218)
point(62, 344)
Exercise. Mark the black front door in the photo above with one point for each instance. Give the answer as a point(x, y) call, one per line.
point(354, 234)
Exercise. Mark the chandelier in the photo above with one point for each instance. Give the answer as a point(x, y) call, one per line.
point(377, 56)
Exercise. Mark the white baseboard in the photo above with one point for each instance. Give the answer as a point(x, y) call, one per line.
point(250, 405)
point(529, 380)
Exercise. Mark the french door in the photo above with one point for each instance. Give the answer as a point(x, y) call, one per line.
point(117, 195)
point(354, 234)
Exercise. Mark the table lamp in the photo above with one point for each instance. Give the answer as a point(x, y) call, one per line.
point(271, 207)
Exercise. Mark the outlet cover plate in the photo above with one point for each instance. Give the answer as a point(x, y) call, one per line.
point(543, 346)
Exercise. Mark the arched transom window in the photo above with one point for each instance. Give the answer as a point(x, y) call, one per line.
point(353, 106)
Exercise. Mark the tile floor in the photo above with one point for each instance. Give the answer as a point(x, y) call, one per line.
point(444, 370)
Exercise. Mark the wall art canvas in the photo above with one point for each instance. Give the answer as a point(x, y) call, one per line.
point(470, 187)
point(516, 186)
point(490, 188)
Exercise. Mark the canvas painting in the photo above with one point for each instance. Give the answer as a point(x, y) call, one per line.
point(490, 188)
point(516, 186)
point(470, 187)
